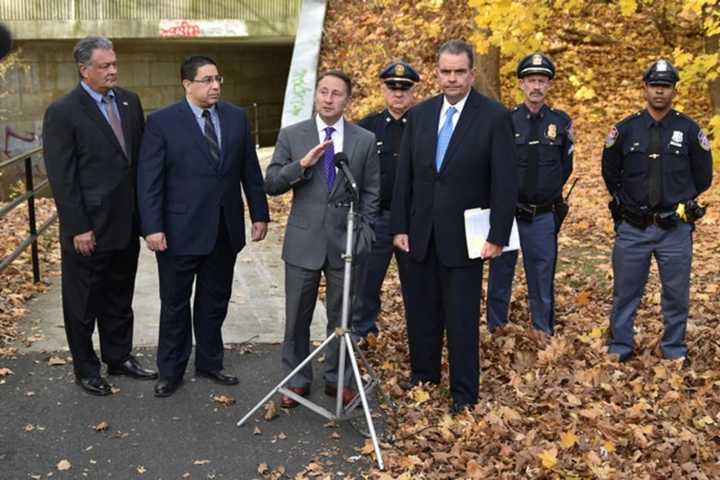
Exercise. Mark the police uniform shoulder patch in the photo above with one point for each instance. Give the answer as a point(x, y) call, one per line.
point(703, 140)
point(611, 138)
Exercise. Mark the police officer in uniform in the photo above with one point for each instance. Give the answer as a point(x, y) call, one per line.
point(544, 143)
point(399, 80)
point(655, 163)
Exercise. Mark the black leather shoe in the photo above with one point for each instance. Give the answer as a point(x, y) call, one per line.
point(460, 407)
point(165, 387)
point(132, 368)
point(218, 377)
point(94, 385)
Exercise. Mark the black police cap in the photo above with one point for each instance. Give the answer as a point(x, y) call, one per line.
point(661, 72)
point(399, 75)
point(536, 64)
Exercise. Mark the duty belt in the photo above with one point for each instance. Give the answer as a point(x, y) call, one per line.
point(665, 220)
point(527, 211)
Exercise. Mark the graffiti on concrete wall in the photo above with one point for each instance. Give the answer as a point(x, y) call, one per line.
point(202, 28)
point(23, 138)
point(303, 67)
point(299, 90)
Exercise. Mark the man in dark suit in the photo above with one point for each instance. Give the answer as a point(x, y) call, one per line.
point(457, 153)
point(91, 138)
point(316, 228)
point(195, 156)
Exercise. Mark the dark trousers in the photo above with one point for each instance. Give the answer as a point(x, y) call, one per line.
point(370, 277)
point(444, 299)
point(212, 275)
point(99, 288)
point(633, 251)
point(539, 247)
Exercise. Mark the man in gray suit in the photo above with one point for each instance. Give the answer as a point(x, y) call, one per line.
point(316, 229)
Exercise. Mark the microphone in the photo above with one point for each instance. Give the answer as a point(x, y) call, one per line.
point(5, 41)
point(341, 161)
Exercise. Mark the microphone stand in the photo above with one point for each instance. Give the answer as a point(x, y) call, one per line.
point(348, 349)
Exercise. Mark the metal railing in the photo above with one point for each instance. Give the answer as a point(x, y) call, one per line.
point(253, 111)
point(29, 195)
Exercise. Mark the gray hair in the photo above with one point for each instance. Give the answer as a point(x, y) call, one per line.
point(84, 48)
point(458, 47)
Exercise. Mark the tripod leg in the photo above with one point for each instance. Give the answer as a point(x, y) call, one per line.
point(341, 379)
point(287, 379)
point(366, 408)
point(373, 375)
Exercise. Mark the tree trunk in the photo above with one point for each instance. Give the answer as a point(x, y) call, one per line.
point(712, 45)
point(487, 73)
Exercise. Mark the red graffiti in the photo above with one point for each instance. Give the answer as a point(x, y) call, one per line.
point(26, 137)
point(182, 29)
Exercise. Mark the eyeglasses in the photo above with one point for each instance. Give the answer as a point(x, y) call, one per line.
point(208, 80)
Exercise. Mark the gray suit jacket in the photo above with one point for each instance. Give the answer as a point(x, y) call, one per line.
point(317, 225)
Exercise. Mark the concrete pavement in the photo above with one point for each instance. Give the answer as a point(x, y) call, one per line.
point(48, 420)
point(257, 306)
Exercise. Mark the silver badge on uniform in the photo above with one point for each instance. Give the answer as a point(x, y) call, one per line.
point(677, 136)
point(661, 66)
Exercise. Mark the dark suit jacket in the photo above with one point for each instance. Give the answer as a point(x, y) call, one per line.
point(180, 193)
point(478, 171)
point(92, 179)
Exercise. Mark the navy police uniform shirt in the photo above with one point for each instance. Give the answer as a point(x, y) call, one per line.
point(544, 145)
point(388, 132)
point(670, 158)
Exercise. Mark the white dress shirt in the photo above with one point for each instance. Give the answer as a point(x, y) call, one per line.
point(443, 111)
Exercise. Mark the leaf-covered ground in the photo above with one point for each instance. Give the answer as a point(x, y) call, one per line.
point(16, 281)
point(552, 407)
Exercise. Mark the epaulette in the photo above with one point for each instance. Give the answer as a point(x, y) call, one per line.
point(686, 117)
point(628, 118)
point(370, 117)
point(561, 114)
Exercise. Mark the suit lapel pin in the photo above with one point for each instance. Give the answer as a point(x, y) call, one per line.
point(125, 104)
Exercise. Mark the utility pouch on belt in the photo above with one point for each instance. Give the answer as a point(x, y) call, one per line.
point(690, 211)
point(615, 210)
point(560, 209)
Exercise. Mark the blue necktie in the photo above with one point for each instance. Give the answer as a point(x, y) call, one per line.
point(444, 137)
point(329, 155)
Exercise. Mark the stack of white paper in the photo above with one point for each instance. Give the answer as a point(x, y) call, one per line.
point(477, 228)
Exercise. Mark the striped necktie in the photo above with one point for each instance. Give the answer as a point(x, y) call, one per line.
point(212, 139)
